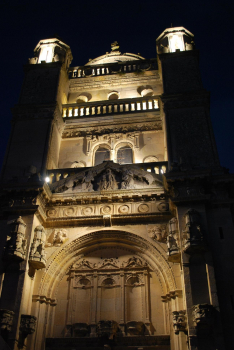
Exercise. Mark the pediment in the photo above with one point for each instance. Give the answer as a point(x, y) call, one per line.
point(108, 176)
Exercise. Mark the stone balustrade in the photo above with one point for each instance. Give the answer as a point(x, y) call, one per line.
point(107, 107)
point(113, 68)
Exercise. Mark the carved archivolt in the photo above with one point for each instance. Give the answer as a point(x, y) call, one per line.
point(61, 260)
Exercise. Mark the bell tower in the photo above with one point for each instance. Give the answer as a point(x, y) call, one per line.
point(37, 123)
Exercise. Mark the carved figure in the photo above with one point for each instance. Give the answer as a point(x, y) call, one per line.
point(84, 264)
point(179, 321)
point(59, 237)
point(28, 324)
point(172, 241)
point(108, 181)
point(16, 244)
point(158, 233)
point(37, 257)
point(127, 179)
point(6, 319)
point(134, 262)
point(192, 234)
point(203, 316)
point(87, 181)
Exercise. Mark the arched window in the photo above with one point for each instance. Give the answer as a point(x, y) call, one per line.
point(124, 155)
point(102, 155)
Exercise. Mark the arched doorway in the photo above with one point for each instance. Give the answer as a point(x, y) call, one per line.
point(106, 276)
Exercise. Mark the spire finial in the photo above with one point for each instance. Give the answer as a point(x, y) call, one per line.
point(115, 46)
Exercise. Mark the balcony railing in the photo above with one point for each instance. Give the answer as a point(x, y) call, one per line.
point(113, 68)
point(99, 108)
point(59, 174)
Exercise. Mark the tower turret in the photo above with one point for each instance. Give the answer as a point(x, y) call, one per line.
point(174, 40)
point(52, 50)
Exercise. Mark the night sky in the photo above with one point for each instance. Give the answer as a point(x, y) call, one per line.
point(89, 27)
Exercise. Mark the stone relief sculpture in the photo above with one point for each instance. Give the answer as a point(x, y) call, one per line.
point(87, 184)
point(127, 179)
point(99, 281)
point(179, 321)
point(6, 320)
point(134, 262)
point(203, 317)
point(57, 238)
point(107, 176)
point(158, 233)
point(37, 257)
point(28, 325)
point(16, 244)
point(108, 181)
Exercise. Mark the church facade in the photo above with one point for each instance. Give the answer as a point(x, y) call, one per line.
point(116, 216)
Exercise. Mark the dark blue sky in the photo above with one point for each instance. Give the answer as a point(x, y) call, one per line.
point(89, 27)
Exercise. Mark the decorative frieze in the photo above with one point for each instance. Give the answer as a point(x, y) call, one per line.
point(83, 131)
point(179, 321)
point(37, 258)
point(108, 176)
point(6, 319)
point(192, 234)
point(15, 248)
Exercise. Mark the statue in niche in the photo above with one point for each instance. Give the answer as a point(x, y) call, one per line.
point(108, 181)
point(37, 257)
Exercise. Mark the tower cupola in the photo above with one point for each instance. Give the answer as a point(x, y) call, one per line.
point(52, 50)
point(174, 40)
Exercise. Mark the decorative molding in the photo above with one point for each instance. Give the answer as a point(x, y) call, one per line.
point(105, 130)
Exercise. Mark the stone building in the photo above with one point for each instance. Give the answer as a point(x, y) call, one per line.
point(116, 225)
